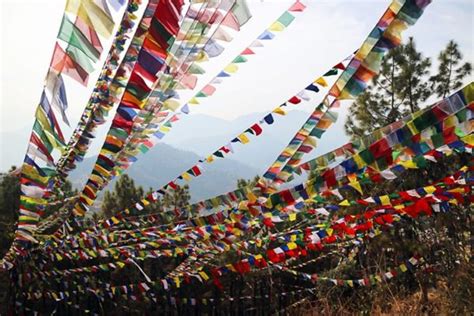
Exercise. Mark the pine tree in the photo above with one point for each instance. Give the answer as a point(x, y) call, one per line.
point(177, 200)
point(396, 91)
point(9, 203)
point(243, 183)
point(412, 83)
point(9, 195)
point(450, 70)
point(125, 194)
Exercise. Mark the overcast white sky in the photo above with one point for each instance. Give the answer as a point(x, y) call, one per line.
point(325, 33)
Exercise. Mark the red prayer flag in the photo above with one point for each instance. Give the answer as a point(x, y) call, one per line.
point(257, 129)
point(294, 100)
point(297, 7)
point(247, 51)
point(62, 63)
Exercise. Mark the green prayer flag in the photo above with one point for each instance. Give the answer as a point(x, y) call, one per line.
point(196, 69)
point(239, 59)
point(367, 156)
point(79, 57)
point(286, 18)
point(438, 140)
point(74, 37)
point(331, 72)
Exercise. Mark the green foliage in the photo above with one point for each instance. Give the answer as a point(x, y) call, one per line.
point(411, 82)
point(9, 204)
point(242, 183)
point(177, 199)
point(402, 85)
point(125, 194)
point(450, 70)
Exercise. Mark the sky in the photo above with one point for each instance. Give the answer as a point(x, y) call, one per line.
point(322, 35)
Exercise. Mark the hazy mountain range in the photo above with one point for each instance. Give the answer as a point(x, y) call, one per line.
point(192, 138)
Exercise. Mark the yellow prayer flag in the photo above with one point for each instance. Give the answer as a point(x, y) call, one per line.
point(409, 164)
point(356, 185)
point(279, 110)
point(412, 128)
point(243, 138)
point(231, 68)
point(204, 275)
point(453, 201)
point(193, 101)
point(251, 197)
point(171, 104)
point(358, 160)
point(311, 141)
point(87, 199)
point(202, 56)
point(430, 189)
point(469, 139)
point(96, 18)
point(345, 203)
point(385, 200)
point(292, 217)
point(276, 27)
point(321, 81)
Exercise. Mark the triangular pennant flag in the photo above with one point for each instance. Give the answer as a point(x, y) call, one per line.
point(247, 51)
point(321, 81)
point(239, 59)
point(312, 87)
point(276, 27)
point(193, 101)
point(294, 100)
point(208, 90)
point(222, 35)
point(266, 35)
point(297, 7)
point(280, 111)
point(185, 109)
point(269, 119)
point(286, 19)
point(256, 43)
point(223, 74)
point(231, 68)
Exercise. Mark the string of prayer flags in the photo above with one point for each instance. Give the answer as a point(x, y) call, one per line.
point(355, 164)
point(83, 49)
point(131, 101)
point(363, 66)
point(255, 129)
point(164, 26)
point(286, 18)
point(103, 96)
